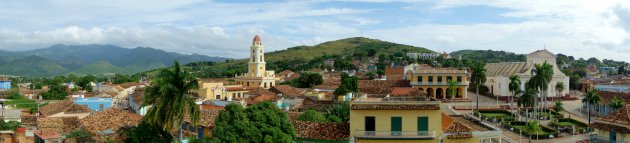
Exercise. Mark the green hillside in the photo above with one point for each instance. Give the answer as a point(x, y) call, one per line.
point(99, 68)
point(489, 56)
point(30, 66)
point(304, 57)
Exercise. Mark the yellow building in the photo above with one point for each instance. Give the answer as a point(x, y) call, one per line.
point(217, 90)
point(399, 121)
point(434, 81)
point(377, 121)
point(257, 75)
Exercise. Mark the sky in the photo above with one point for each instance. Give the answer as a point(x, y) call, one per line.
point(581, 28)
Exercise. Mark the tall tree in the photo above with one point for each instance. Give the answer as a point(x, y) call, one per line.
point(590, 99)
point(348, 84)
point(558, 106)
point(514, 87)
point(478, 77)
point(169, 99)
point(527, 99)
point(621, 70)
point(541, 76)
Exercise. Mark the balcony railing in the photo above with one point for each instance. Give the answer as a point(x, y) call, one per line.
point(395, 134)
point(438, 83)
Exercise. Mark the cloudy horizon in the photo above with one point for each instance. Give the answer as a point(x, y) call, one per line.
point(582, 29)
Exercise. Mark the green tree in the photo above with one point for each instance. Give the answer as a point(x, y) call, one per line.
point(560, 87)
point(339, 110)
point(532, 127)
point(261, 122)
point(348, 84)
point(452, 88)
point(478, 78)
point(616, 103)
point(527, 99)
point(312, 115)
point(591, 98)
point(514, 87)
point(80, 135)
point(146, 133)
point(84, 82)
point(574, 80)
point(308, 80)
point(14, 93)
point(558, 106)
point(541, 76)
point(11, 125)
point(169, 99)
point(621, 70)
point(55, 92)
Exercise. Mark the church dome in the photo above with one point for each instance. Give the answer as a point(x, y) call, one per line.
point(257, 38)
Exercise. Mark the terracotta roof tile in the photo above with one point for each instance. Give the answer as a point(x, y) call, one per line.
point(63, 106)
point(112, 119)
point(262, 98)
point(287, 90)
point(207, 117)
point(607, 96)
point(48, 134)
point(618, 120)
point(238, 88)
point(61, 124)
point(378, 106)
point(381, 86)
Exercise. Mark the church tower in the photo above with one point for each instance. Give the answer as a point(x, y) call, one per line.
point(256, 65)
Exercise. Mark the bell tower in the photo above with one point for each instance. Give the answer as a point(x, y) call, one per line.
point(256, 65)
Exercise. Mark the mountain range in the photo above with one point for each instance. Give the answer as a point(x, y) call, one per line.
point(90, 59)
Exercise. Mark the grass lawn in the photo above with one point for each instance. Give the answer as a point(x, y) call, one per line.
point(303, 140)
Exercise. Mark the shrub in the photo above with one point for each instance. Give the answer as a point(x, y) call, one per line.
point(313, 116)
point(333, 118)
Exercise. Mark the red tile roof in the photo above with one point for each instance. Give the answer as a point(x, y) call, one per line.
point(47, 134)
point(618, 120)
point(394, 71)
point(112, 119)
point(207, 117)
point(287, 90)
point(262, 98)
point(63, 106)
point(241, 88)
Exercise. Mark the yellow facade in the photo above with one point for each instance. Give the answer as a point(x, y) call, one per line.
point(434, 81)
point(383, 124)
point(606, 135)
point(219, 91)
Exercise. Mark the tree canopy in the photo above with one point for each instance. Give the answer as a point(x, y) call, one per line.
point(55, 92)
point(312, 115)
point(146, 133)
point(308, 80)
point(261, 122)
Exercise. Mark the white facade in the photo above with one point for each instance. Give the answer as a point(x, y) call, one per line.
point(498, 74)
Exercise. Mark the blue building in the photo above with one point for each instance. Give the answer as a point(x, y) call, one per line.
point(5, 84)
point(96, 104)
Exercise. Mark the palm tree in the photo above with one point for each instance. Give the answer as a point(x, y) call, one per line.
point(527, 100)
point(541, 76)
point(532, 127)
point(616, 103)
point(452, 88)
point(514, 87)
point(169, 100)
point(478, 77)
point(591, 98)
point(559, 88)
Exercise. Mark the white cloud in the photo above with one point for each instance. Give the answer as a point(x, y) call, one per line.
point(581, 28)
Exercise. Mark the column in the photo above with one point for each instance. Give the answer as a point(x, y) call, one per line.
point(466, 92)
point(443, 93)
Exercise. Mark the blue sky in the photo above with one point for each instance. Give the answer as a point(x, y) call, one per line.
point(225, 28)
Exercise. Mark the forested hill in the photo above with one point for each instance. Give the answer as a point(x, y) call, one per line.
point(489, 56)
point(90, 59)
point(307, 57)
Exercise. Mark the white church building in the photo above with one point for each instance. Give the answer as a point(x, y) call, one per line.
point(498, 74)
